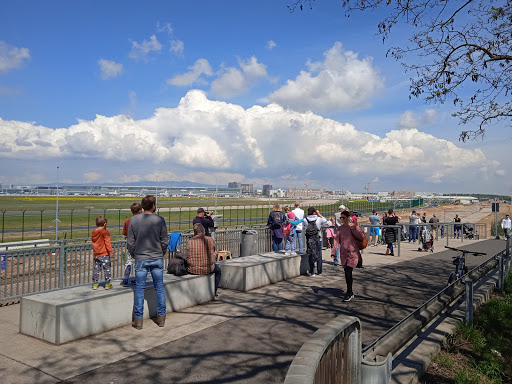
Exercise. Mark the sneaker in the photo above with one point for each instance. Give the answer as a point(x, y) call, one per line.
point(124, 283)
point(287, 253)
point(95, 287)
point(108, 286)
point(294, 253)
point(311, 275)
point(348, 297)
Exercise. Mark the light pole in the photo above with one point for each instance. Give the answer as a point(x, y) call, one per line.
point(57, 209)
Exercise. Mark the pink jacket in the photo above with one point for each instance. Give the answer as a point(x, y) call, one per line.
point(348, 237)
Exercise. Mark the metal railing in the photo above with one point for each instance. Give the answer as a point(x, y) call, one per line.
point(27, 224)
point(334, 353)
point(68, 263)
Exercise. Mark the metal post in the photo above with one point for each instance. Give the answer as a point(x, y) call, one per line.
point(57, 209)
point(469, 302)
point(61, 264)
point(496, 225)
point(399, 240)
point(501, 277)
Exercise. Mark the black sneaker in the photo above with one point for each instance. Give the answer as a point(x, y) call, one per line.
point(348, 297)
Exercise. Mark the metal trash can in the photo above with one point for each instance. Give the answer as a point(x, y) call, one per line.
point(249, 242)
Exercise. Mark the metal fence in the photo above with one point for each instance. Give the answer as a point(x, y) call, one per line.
point(334, 353)
point(16, 225)
point(36, 268)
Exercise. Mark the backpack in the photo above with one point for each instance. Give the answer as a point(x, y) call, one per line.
point(177, 266)
point(277, 219)
point(312, 229)
point(287, 229)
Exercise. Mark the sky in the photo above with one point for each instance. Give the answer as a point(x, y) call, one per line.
point(221, 91)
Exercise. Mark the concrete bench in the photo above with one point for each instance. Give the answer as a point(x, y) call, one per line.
point(72, 313)
point(250, 272)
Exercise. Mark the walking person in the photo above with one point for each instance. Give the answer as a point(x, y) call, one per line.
point(147, 242)
point(349, 236)
point(390, 234)
point(299, 215)
point(275, 221)
point(313, 224)
point(506, 224)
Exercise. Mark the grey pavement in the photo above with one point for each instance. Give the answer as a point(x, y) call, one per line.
point(243, 337)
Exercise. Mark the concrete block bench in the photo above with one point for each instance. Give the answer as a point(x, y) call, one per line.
point(72, 313)
point(250, 272)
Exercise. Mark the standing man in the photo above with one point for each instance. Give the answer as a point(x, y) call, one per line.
point(434, 220)
point(374, 231)
point(506, 224)
point(414, 220)
point(147, 241)
point(313, 224)
point(456, 227)
point(299, 215)
point(205, 219)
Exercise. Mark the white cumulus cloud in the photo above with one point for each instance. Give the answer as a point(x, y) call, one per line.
point(341, 82)
point(271, 44)
point(141, 51)
point(109, 69)
point(234, 82)
point(411, 120)
point(200, 67)
point(11, 57)
point(202, 136)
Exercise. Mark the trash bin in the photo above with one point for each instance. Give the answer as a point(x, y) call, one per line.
point(249, 242)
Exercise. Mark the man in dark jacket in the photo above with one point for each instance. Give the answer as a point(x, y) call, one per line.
point(205, 219)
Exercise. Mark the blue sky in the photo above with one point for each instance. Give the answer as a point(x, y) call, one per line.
point(123, 91)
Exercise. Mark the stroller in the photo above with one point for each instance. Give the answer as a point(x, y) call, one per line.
point(427, 240)
point(468, 231)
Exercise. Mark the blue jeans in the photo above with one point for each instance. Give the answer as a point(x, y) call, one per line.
point(456, 231)
point(277, 243)
point(337, 255)
point(290, 243)
point(142, 267)
point(300, 241)
point(413, 233)
point(390, 247)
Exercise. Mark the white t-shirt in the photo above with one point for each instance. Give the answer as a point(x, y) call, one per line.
point(299, 214)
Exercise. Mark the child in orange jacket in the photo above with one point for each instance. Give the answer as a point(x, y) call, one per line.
point(102, 251)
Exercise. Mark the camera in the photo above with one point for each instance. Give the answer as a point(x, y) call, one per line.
point(206, 212)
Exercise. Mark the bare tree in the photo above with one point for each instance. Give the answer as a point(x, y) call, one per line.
point(459, 51)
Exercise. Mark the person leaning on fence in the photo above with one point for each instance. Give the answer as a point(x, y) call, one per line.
point(102, 252)
point(390, 234)
point(205, 219)
point(434, 220)
point(275, 222)
point(201, 255)
point(349, 236)
point(147, 241)
point(506, 224)
point(414, 220)
point(136, 209)
point(313, 224)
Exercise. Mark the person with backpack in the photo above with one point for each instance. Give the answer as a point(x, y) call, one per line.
point(275, 222)
point(290, 231)
point(313, 224)
point(349, 237)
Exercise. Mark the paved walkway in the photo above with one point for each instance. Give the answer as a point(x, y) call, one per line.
point(243, 337)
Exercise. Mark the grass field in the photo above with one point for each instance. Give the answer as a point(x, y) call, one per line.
point(33, 217)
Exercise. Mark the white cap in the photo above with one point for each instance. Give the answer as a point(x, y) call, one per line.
point(342, 207)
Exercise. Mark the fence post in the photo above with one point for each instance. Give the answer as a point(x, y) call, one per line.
point(71, 223)
point(23, 225)
point(501, 277)
point(41, 228)
point(3, 225)
point(469, 302)
point(62, 259)
point(507, 255)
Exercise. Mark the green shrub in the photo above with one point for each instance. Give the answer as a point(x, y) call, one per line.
point(491, 368)
point(466, 376)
